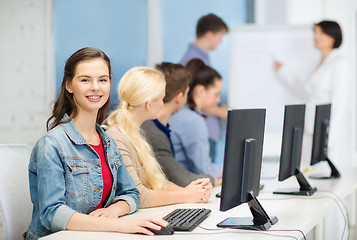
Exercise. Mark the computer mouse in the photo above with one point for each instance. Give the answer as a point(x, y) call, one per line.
point(163, 231)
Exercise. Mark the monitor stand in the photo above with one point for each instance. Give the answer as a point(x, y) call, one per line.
point(305, 187)
point(259, 221)
point(324, 151)
point(334, 172)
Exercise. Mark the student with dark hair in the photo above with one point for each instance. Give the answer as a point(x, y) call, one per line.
point(209, 32)
point(158, 131)
point(326, 81)
point(78, 180)
point(189, 131)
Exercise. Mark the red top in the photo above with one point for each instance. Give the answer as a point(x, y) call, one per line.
point(106, 174)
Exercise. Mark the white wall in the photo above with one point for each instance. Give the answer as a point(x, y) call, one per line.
point(307, 12)
point(26, 69)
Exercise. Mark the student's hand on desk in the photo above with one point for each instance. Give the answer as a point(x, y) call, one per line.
point(140, 225)
point(199, 190)
point(104, 212)
point(217, 181)
point(115, 210)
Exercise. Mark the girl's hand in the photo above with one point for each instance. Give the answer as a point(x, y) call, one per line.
point(198, 190)
point(104, 212)
point(140, 225)
point(115, 210)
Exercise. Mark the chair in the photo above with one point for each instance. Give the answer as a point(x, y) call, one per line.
point(15, 203)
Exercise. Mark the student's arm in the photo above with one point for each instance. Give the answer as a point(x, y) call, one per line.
point(162, 149)
point(124, 148)
point(197, 191)
point(293, 82)
point(194, 140)
point(177, 174)
point(126, 190)
point(85, 222)
point(153, 198)
point(115, 210)
point(46, 164)
point(127, 197)
point(217, 111)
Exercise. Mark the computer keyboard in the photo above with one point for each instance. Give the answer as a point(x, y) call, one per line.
point(186, 219)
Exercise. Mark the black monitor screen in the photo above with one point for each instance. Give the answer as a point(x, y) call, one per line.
point(244, 139)
point(320, 138)
point(320, 141)
point(293, 130)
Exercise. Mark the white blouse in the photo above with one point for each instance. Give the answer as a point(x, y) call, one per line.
point(327, 83)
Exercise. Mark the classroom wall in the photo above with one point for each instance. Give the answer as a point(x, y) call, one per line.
point(26, 69)
point(119, 28)
point(179, 20)
point(27, 52)
point(43, 34)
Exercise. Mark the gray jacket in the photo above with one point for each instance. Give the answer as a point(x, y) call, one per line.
point(162, 149)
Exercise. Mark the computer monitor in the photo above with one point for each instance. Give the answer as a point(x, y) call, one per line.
point(320, 140)
point(290, 157)
point(241, 169)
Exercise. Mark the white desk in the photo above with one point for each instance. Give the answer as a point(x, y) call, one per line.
point(303, 213)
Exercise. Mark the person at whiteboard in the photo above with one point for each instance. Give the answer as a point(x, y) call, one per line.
point(327, 82)
point(209, 32)
point(189, 131)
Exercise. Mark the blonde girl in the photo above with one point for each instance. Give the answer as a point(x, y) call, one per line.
point(141, 92)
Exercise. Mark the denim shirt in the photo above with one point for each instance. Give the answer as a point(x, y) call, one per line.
point(65, 177)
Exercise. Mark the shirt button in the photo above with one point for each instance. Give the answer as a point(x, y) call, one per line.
point(97, 190)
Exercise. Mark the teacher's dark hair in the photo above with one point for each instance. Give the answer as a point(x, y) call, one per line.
point(332, 29)
point(201, 75)
point(65, 102)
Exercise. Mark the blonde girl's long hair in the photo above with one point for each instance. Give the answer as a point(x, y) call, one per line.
point(137, 86)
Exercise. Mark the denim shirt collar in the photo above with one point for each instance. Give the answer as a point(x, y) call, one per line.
point(75, 136)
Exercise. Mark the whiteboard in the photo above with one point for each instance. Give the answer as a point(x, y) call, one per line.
point(252, 81)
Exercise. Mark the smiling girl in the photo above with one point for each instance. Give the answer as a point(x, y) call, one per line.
point(78, 180)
